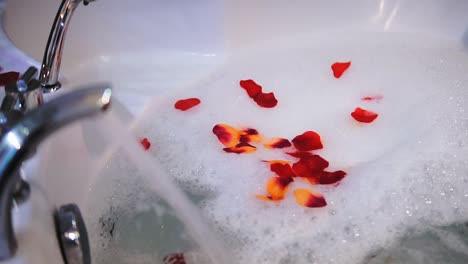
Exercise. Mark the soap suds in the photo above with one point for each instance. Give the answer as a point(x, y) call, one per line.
point(406, 170)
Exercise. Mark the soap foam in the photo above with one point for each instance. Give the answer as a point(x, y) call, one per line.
point(408, 169)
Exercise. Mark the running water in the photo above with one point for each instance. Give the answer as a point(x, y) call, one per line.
point(143, 176)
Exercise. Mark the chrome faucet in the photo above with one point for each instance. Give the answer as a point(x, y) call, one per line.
point(50, 68)
point(24, 124)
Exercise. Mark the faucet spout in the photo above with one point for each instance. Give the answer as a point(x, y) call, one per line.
point(50, 67)
point(22, 139)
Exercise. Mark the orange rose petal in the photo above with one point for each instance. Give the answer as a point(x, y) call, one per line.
point(250, 138)
point(277, 187)
point(266, 100)
point(267, 198)
point(227, 135)
point(186, 104)
point(276, 161)
point(364, 116)
point(249, 131)
point(309, 198)
point(300, 154)
point(251, 87)
point(249, 135)
point(241, 148)
point(277, 143)
point(309, 140)
point(339, 68)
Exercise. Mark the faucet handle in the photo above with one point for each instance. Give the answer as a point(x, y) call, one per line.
point(24, 94)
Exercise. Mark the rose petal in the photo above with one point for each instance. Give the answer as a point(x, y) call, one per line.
point(249, 131)
point(241, 148)
point(176, 258)
point(372, 98)
point(145, 143)
point(267, 198)
point(299, 154)
point(315, 162)
point(277, 143)
point(8, 77)
point(185, 104)
point(309, 140)
point(266, 100)
point(282, 168)
point(309, 198)
point(339, 68)
point(364, 116)
point(250, 135)
point(251, 87)
point(277, 187)
point(331, 177)
point(227, 135)
point(308, 167)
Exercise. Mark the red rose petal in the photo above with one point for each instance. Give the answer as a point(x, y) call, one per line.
point(8, 77)
point(308, 141)
point(299, 154)
point(364, 116)
point(266, 100)
point(277, 143)
point(277, 187)
point(331, 177)
point(309, 166)
point(145, 143)
point(227, 135)
point(185, 104)
point(339, 68)
point(176, 258)
point(251, 87)
point(315, 162)
point(372, 98)
point(282, 168)
point(309, 198)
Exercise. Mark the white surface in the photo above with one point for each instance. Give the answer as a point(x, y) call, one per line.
point(151, 48)
point(405, 170)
